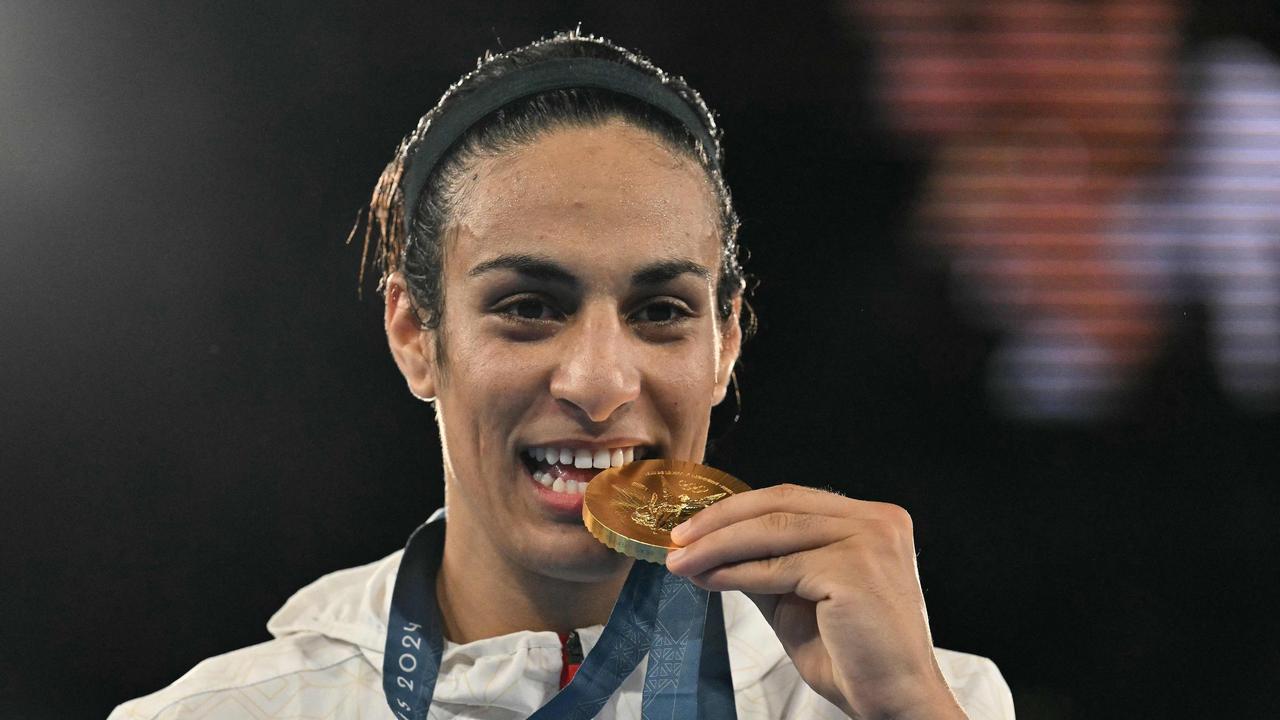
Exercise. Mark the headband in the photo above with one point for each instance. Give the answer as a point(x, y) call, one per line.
point(545, 76)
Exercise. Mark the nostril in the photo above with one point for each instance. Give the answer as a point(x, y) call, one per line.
point(595, 386)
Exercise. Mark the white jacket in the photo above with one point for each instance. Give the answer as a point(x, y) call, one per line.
point(326, 662)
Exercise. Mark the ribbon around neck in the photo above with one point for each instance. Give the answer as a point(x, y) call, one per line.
point(679, 626)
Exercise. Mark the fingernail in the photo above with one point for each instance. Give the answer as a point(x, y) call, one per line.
point(673, 555)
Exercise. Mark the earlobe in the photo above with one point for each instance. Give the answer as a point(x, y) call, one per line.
point(730, 347)
point(411, 344)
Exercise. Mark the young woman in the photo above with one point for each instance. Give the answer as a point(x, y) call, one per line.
point(561, 278)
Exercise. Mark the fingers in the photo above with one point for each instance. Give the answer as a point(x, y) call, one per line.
point(787, 499)
point(736, 508)
point(769, 576)
point(765, 536)
point(791, 539)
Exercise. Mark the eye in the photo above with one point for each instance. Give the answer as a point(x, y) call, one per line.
point(530, 309)
point(661, 312)
point(527, 309)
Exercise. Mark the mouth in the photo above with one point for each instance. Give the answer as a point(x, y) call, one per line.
point(565, 471)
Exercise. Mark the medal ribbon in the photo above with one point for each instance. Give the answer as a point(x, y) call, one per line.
point(679, 626)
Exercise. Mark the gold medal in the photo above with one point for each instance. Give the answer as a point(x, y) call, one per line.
point(633, 508)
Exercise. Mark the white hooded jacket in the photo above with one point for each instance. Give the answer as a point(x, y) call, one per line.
point(326, 662)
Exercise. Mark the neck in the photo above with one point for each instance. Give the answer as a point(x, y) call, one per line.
point(505, 598)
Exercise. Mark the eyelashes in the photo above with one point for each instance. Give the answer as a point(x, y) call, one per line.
point(529, 309)
point(535, 310)
point(667, 312)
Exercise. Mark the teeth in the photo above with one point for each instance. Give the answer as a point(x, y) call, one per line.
point(560, 485)
point(584, 458)
point(600, 460)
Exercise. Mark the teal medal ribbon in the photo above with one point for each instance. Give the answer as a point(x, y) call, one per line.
point(678, 625)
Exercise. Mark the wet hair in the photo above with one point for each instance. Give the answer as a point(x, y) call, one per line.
point(416, 248)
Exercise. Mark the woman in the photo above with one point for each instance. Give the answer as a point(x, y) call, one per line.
point(561, 279)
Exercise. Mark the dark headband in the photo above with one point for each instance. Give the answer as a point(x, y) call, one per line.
point(527, 81)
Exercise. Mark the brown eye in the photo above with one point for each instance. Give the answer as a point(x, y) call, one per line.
point(530, 309)
point(660, 313)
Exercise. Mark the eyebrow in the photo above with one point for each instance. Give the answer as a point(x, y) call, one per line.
point(530, 266)
point(546, 270)
point(668, 270)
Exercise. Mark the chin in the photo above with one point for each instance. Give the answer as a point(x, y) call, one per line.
point(580, 558)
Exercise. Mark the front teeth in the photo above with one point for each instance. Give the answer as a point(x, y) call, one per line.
point(585, 457)
point(582, 458)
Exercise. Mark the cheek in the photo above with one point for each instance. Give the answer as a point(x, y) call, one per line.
point(489, 388)
point(683, 383)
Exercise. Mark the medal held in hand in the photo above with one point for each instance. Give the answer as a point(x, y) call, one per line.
point(633, 508)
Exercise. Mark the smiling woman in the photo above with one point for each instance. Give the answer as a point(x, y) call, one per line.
point(579, 273)
point(559, 261)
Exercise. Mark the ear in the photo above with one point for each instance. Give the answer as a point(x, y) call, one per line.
point(730, 347)
point(412, 346)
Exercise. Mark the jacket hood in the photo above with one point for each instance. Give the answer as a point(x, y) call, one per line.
point(349, 605)
point(352, 606)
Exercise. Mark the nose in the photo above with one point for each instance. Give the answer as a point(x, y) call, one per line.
point(597, 374)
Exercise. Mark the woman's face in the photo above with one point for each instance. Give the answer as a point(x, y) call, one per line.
point(579, 328)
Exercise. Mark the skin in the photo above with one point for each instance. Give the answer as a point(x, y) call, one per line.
point(836, 578)
point(527, 361)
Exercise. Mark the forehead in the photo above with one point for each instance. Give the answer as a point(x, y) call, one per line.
point(610, 190)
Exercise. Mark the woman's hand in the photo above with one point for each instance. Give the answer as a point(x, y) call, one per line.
point(837, 580)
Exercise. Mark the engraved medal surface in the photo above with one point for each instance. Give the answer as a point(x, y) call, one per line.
point(633, 508)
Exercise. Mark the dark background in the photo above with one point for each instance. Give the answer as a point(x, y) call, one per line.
point(200, 416)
